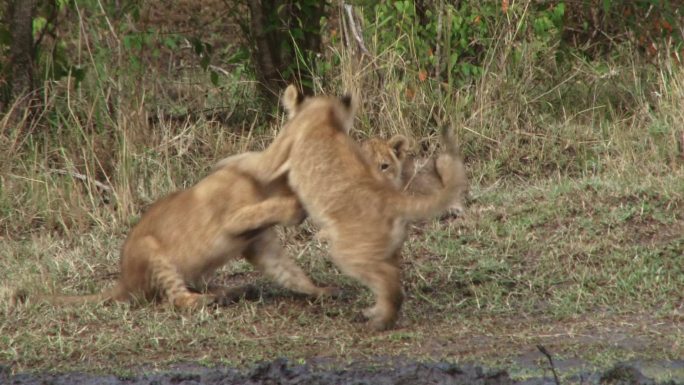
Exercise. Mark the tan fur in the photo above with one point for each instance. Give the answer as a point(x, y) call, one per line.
point(183, 238)
point(417, 176)
point(388, 156)
point(364, 216)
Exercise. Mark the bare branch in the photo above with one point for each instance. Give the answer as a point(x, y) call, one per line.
point(355, 31)
point(545, 352)
point(82, 178)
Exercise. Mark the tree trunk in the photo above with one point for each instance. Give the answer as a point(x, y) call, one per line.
point(270, 24)
point(267, 70)
point(21, 49)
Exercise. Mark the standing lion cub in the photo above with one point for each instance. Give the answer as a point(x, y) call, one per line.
point(363, 216)
point(183, 238)
point(416, 176)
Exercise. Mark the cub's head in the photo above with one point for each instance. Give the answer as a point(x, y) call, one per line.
point(341, 108)
point(388, 156)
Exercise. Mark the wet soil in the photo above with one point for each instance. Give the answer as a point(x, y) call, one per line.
point(283, 372)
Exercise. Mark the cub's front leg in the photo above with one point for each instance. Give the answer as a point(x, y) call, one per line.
point(286, 211)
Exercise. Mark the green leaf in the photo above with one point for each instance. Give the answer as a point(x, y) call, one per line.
point(132, 42)
point(170, 42)
point(135, 63)
point(240, 56)
point(399, 5)
point(307, 83)
point(602, 68)
point(39, 24)
point(453, 59)
point(384, 21)
point(213, 75)
point(297, 33)
point(5, 36)
point(557, 14)
point(607, 5)
point(61, 4)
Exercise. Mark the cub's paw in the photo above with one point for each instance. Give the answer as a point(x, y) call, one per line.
point(329, 291)
point(453, 212)
point(193, 301)
point(379, 321)
point(296, 213)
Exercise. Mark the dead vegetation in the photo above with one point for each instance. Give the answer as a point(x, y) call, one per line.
point(572, 237)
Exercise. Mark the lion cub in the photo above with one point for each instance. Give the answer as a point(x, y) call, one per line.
point(364, 217)
point(417, 176)
point(388, 156)
point(183, 238)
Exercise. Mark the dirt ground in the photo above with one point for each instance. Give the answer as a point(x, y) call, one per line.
point(283, 372)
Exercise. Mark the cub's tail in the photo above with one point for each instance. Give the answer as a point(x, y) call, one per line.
point(450, 169)
point(116, 293)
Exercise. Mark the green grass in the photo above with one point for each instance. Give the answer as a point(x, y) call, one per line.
point(589, 267)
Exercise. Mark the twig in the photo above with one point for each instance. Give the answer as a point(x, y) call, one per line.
point(354, 29)
point(553, 367)
point(82, 178)
point(219, 69)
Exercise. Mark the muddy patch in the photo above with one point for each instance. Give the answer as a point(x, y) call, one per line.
point(283, 372)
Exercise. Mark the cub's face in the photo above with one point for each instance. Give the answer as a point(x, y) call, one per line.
point(387, 156)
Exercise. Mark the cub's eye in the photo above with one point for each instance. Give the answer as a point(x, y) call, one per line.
point(384, 166)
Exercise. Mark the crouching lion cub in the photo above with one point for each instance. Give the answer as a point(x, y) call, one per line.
point(364, 217)
point(417, 176)
point(183, 238)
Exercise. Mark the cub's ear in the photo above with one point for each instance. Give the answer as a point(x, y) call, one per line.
point(346, 101)
point(345, 111)
point(291, 100)
point(400, 145)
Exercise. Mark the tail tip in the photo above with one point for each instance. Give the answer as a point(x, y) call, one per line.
point(449, 139)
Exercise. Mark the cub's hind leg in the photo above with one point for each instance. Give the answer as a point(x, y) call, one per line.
point(267, 255)
point(169, 282)
point(380, 273)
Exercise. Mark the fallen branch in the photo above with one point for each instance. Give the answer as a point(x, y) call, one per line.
point(82, 178)
point(553, 367)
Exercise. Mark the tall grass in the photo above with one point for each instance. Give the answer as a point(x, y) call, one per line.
point(538, 110)
point(134, 129)
point(137, 126)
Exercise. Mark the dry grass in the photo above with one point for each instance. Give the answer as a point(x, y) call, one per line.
point(589, 267)
point(573, 236)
